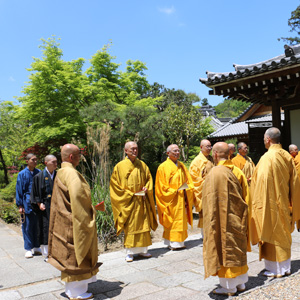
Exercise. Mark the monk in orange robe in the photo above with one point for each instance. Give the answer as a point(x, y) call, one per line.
point(199, 168)
point(244, 162)
point(73, 243)
point(131, 194)
point(174, 192)
point(231, 150)
point(275, 190)
point(226, 211)
point(293, 149)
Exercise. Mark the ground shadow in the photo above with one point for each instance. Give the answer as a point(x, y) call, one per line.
point(101, 287)
point(253, 282)
point(193, 243)
point(295, 266)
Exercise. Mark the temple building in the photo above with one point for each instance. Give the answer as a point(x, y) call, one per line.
point(273, 89)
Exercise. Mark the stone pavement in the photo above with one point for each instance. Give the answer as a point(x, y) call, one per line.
point(167, 275)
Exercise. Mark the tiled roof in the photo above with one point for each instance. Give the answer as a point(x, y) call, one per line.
point(215, 123)
point(230, 129)
point(242, 71)
point(265, 118)
point(240, 128)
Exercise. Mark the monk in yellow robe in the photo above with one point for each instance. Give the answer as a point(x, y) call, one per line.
point(174, 198)
point(73, 243)
point(226, 206)
point(244, 162)
point(275, 190)
point(231, 150)
point(293, 149)
point(131, 194)
point(199, 168)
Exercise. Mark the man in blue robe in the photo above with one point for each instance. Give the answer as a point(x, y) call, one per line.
point(29, 219)
point(41, 193)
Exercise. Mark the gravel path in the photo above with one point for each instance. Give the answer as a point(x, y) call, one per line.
point(279, 288)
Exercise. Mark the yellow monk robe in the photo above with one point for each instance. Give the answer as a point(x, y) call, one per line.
point(297, 163)
point(226, 230)
point(135, 215)
point(275, 190)
point(73, 243)
point(174, 207)
point(245, 164)
point(199, 168)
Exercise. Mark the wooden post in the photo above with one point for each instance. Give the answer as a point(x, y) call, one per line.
point(276, 115)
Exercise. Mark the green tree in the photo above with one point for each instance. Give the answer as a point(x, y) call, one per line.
point(13, 138)
point(294, 23)
point(204, 101)
point(55, 93)
point(107, 82)
point(230, 108)
point(182, 125)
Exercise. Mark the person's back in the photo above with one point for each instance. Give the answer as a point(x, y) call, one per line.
point(225, 223)
point(73, 244)
point(275, 190)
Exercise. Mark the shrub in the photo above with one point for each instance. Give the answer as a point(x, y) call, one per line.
point(9, 212)
point(104, 220)
point(9, 192)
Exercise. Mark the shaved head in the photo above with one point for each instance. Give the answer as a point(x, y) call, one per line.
point(205, 146)
point(49, 157)
point(240, 145)
point(204, 142)
point(293, 149)
point(231, 147)
point(173, 152)
point(222, 149)
point(70, 153)
point(130, 144)
point(131, 150)
point(170, 147)
point(274, 134)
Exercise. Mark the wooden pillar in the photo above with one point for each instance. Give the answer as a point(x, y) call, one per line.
point(276, 114)
point(286, 132)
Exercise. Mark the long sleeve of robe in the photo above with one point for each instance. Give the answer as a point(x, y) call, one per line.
point(275, 191)
point(132, 214)
point(174, 208)
point(23, 189)
point(73, 243)
point(245, 164)
point(198, 170)
point(297, 163)
point(225, 216)
point(41, 192)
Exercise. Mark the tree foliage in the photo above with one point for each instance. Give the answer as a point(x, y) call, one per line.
point(230, 108)
point(182, 124)
point(294, 24)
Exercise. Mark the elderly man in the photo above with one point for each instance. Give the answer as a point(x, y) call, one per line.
point(23, 190)
point(199, 169)
point(243, 161)
point(41, 193)
point(275, 191)
point(174, 198)
point(73, 244)
point(293, 149)
point(131, 194)
point(225, 222)
point(231, 148)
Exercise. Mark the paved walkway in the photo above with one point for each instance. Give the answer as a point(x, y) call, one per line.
point(167, 275)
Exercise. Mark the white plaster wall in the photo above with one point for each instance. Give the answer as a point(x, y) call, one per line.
point(295, 127)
